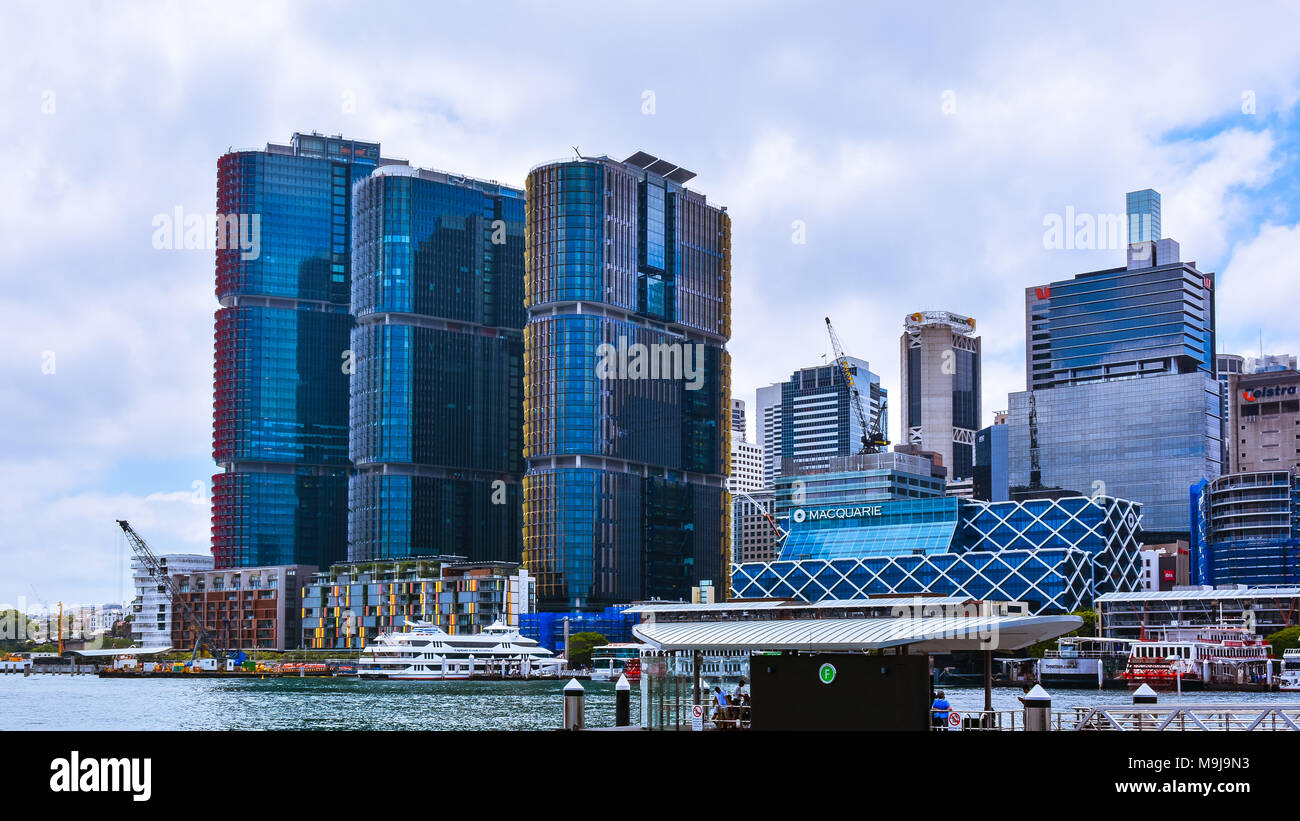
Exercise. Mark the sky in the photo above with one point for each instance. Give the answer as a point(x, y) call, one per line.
point(875, 160)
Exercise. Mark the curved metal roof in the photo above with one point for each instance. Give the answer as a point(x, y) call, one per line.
point(927, 634)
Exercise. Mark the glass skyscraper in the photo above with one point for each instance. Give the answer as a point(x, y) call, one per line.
point(1143, 211)
point(1123, 397)
point(627, 401)
point(437, 393)
point(818, 418)
point(280, 411)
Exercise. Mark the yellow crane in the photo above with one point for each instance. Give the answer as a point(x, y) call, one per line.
point(873, 436)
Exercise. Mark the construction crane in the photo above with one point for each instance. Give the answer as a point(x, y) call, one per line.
point(202, 636)
point(873, 436)
point(736, 490)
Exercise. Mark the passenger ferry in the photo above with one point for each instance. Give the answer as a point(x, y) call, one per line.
point(427, 652)
point(1201, 658)
point(610, 661)
point(1290, 678)
point(1085, 661)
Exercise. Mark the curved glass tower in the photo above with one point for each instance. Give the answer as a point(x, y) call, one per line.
point(280, 413)
point(436, 397)
point(626, 383)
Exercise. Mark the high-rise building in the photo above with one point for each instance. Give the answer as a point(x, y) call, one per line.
point(738, 432)
point(280, 411)
point(1123, 398)
point(1143, 209)
point(819, 420)
point(1225, 365)
point(627, 393)
point(756, 538)
point(992, 478)
point(940, 379)
point(862, 477)
point(768, 433)
point(437, 392)
point(746, 466)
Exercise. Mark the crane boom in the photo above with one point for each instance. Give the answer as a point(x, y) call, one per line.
point(146, 557)
point(873, 437)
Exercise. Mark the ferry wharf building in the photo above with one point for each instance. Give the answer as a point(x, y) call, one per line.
point(1057, 555)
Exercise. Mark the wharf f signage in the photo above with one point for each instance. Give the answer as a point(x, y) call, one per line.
point(1256, 394)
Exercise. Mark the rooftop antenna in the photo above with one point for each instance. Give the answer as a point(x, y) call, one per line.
point(577, 152)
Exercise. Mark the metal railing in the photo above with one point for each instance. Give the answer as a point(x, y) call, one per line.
point(1190, 718)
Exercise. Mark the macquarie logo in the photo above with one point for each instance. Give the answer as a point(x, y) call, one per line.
point(1256, 394)
point(127, 775)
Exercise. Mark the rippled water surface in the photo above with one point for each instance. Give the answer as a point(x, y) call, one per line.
point(62, 702)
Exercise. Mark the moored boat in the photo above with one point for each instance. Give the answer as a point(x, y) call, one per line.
point(1201, 658)
point(1093, 662)
point(427, 652)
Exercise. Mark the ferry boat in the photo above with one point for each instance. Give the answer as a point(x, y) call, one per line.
point(1085, 661)
point(1201, 658)
point(1289, 681)
point(609, 661)
point(427, 652)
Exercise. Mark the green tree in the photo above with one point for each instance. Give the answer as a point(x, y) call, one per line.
point(15, 629)
point(580, 647)
point(1285, 639)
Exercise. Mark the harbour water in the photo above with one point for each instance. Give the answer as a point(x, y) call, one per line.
point(62, 702)
point(91, 703)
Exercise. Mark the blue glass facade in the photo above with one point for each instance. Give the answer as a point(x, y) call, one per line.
point(437, 393)
point(624, 492)
point(1055, 554)
point(1246, 529)
point(280, 429)
point(866, 477)
point(547, 628)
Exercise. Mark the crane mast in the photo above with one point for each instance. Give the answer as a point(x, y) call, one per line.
point(873, 436)
point(202, 636)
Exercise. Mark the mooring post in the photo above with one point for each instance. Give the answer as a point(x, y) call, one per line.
point(574, 698)
point(622, 702)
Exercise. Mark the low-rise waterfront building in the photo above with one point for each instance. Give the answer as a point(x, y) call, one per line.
point(244, 608)
point(152, 607)
point(1246, 528)
point(1264, 610)
point(352, 602)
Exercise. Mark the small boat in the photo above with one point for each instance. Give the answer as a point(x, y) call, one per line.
point(1224, 657)
point(609, 661)
point(1289, 680)
point(1093, 662)
point(427, 652)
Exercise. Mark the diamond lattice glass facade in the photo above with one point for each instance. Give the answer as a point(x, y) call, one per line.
point(624, 494)
point(1054, 554)
point(437, 393)
point(280, 411)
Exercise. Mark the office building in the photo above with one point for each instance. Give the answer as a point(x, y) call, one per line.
point(1267, 363)
point(819, 417)
point(992, 477)
point(1246, 528)
point(865, 477)
point(247, 608)
point(349, 604)
point(1165, 566)
point(1263, 423)
point(738, 432)
point(754, 528)
point(746, 466)
point(437, 390)
point(551, 629)
point(151, 623)
point(280, 409)
point(1225, 365)
point(940, 380)
point(1132, 615)
point(627, 392)
point(1056, 555)
point(1123, 398)
point(768, 425)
